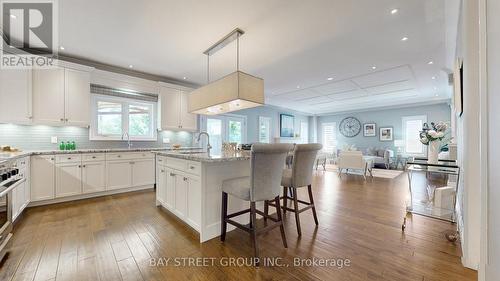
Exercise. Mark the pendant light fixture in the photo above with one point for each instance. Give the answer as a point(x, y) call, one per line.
point(235, 91)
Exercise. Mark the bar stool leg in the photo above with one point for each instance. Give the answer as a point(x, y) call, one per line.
point(280, 218)
point(223, 222)
point(309, 189)
point(296, 208)
point(285, 198)
point(253, 233)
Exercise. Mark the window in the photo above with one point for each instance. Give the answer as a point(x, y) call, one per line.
point(412, 125)
point(224, 128)
point(329, 136)
point(113, 116)
point(304, 132)
point(264, 129)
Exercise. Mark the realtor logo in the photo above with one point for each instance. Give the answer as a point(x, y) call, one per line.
point(29, 33)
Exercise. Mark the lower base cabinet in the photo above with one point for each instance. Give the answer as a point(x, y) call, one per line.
point(68, 179)
point(180, 193)
point(93, 177)
point(43, 171)
point(119, 174)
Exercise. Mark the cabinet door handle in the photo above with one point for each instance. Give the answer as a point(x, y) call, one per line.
point(159, 160)
point(84, 166)
point(79, 166)
point(62, 119)
point(163, 171)
point(172, 174)
point(191, 167)
point(93, 157)
point(69, 158)
point(119, 156)
point(185, 179)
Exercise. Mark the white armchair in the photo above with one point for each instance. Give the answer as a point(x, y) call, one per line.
point(352, 160)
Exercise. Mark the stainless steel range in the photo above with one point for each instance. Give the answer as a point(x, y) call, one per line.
point(9, 179)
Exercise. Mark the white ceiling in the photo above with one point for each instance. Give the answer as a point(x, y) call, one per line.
point(289, 43)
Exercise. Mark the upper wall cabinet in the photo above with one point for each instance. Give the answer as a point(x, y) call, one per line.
point(16, 96)
point(173, 109)
point(61, 96)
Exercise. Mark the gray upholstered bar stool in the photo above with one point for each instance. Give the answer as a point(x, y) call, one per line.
point(300, 175)
point(267, 164)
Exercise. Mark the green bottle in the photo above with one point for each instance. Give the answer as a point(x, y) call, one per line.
point(73, 145)
point(67, 146)
point(62, 146)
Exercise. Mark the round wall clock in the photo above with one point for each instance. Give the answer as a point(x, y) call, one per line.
point(350, 127)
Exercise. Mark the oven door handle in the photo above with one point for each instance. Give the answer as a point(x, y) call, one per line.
point(12, 187)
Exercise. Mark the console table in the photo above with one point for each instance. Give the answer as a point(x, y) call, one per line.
point(442, 177)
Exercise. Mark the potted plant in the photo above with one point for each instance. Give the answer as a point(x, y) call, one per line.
point(432, 137)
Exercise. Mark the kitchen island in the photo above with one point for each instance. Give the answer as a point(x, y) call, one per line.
point(188, 184)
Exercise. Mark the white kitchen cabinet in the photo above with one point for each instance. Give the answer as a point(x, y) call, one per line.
point(77, 97)
point(169, 108)
point(68, 179)
point(42, 178)
point(194, 202)
point(18, 200)
point(118, 174)
point(143, 172)
point(189, 121)
point(61, 96)
point(16, 96)
point(181, 196)
point(161, 188)
point(48, 96)
point(93, 176)
point(174, 113)
point(170, 189)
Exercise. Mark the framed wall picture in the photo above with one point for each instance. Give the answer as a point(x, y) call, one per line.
point(287, 125)
point(386, 134)
point(369, 129)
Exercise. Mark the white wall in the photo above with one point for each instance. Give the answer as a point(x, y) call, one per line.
point(493, 211)
point(468, 136)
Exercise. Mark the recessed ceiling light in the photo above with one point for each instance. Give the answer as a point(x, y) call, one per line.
point(404, 38)
point(330, 78)
point(433, 77)
point(430, 62)
point(62, 48)
point(394, 11)
point(130, 66)
point(298, 87)
point(437, 94)
point(184, 77)
point(374, 67)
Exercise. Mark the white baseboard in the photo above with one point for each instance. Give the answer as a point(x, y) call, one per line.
point(90, 195)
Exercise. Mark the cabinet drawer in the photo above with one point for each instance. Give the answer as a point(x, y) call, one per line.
point(93, 157)
point(194, 167)
point(68, 158)
point(129, 155)
point(161, 160)
point(178, 164)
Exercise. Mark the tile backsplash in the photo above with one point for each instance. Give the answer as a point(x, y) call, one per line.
point(38, 137)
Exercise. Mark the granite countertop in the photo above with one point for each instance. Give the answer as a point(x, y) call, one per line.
point(203, 156)
point(8, 156)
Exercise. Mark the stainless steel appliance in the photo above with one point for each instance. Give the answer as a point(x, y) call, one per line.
point(9, 179)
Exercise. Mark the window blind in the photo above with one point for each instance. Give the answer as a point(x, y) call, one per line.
point(122, 93)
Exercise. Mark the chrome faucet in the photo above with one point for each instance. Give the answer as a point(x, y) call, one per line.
point(128, 139)
point(208, 141)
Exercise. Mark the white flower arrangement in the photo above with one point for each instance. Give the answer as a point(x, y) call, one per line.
point(434, 133)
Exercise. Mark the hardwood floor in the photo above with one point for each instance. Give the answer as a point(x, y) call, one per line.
point(114, 238)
